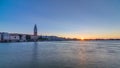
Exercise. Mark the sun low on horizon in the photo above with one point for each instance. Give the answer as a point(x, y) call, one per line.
point(82, 38)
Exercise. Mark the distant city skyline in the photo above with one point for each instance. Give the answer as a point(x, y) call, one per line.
point(65, 18)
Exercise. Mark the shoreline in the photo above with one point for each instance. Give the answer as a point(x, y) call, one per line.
point(57, 40)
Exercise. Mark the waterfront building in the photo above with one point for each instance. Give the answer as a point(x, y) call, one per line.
point(33, 37)
point(5, 36)
point(22, 37)
point(0, 36)
point(14, 37)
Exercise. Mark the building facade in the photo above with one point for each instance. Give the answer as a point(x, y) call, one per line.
point(5, 36)
point(23, 37)
point(0, 36)
point(14, 37)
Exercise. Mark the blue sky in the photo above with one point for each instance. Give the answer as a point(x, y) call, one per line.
point(67, 18)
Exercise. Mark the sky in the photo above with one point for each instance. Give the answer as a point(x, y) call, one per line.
point(64, 18)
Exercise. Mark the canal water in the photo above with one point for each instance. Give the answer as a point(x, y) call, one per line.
point(60, 54)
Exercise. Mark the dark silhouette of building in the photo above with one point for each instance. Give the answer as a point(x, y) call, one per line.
point(35, 30)
point(35, 36)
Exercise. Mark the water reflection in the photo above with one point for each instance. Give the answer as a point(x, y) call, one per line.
point(35, 63)
point(86, 54)
point(83, 56)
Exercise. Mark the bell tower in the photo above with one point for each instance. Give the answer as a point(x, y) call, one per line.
point(35, 30)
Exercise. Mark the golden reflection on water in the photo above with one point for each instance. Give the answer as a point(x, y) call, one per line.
point(82, 54)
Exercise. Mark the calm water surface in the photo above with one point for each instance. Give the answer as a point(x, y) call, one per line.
point(60, 54)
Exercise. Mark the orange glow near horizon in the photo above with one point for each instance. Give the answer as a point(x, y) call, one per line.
point(92, 36)
point(82, 39)
point(107, 35)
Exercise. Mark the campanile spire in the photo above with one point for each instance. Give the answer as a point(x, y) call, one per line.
point(35, 30)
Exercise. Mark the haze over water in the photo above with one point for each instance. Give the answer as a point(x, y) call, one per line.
point(60, 54)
